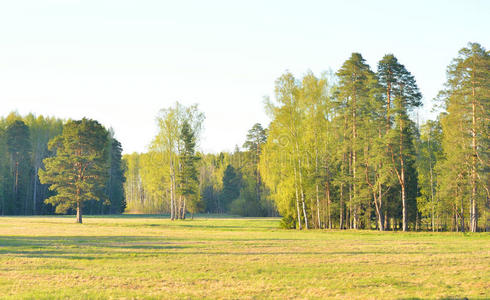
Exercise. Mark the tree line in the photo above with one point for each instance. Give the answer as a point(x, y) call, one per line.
point(173, 177)
point(343, 150)
point(31, 147)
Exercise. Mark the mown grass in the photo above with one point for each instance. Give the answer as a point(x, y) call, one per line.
point(151, 257)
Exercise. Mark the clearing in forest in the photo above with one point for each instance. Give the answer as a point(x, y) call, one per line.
point(151, 257)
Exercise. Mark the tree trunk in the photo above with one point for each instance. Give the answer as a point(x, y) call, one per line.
point(329, 204)
point(388, 105)
point(354, 164)
point(319, 224)
point(172, 198)
point(432, 199)
point(301, 190)
point(341, 214)
point(402, 180)
point(79, 212)
point(386, 225)
point(183, 210)
point(258, 180)
point(404, 206)
point(350, 192)
point(379, 208)
point(473, 212)
point(34, 194)
point(462, 215)
point(297, 197)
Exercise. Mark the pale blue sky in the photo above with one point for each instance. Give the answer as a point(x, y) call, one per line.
point(121, 61)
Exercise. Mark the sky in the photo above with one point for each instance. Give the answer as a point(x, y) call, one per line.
point(120, 62)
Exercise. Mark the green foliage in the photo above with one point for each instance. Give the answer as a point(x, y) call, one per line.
point(78, 171)
point(342, 151)
point(166, 178)
point(23, 146)
point(188, 181)
point(463, 180)
point(430, 152)
point(288, 222)
point(19, 149)
point(232, 183)
point(115, 184)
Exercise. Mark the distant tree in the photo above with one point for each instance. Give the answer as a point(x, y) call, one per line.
point(133, 186)
point(430, 152)
point(115, 184)
point(188, 180)
point(167, 146)
point(78, 171)
point(42, 130)
point(3, 172)
point(256, 138)
point(232, 183)
point(19, 148)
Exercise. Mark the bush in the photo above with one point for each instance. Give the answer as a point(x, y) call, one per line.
point(288, 222)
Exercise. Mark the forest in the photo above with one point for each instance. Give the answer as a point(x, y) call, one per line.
point(24, 150)
point(344, 150)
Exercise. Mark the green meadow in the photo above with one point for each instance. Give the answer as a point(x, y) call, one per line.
point(151, 257)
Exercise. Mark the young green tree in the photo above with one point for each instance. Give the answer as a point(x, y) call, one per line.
point(133, 186)
point(284, 161)
point(168, 144)
point(316, 133)
point(78, 171)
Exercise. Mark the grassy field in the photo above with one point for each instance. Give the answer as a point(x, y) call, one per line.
point(154, 258)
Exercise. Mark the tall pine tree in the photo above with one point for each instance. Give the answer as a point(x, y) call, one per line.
point(78, 171)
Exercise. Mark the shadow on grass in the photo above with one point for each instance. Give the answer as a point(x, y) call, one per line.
point(76, 247)
point(124, 247)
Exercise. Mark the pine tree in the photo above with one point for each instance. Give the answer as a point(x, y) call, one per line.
point(188, 181)
point(356, 86)
point(232, 183)
point(401, 92)
point(466, 124)
point(255, 139)
point(78, 171)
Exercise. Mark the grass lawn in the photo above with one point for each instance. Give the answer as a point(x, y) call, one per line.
point(153, 258)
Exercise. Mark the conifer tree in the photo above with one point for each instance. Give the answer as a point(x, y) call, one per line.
point(188, 180)
point(19, 149)
point(355, 91)
point(78, 171)
point(402, 92)
point(466, 127)
point(255, 139)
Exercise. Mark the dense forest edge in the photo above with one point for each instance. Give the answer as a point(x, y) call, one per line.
point(344, 150)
